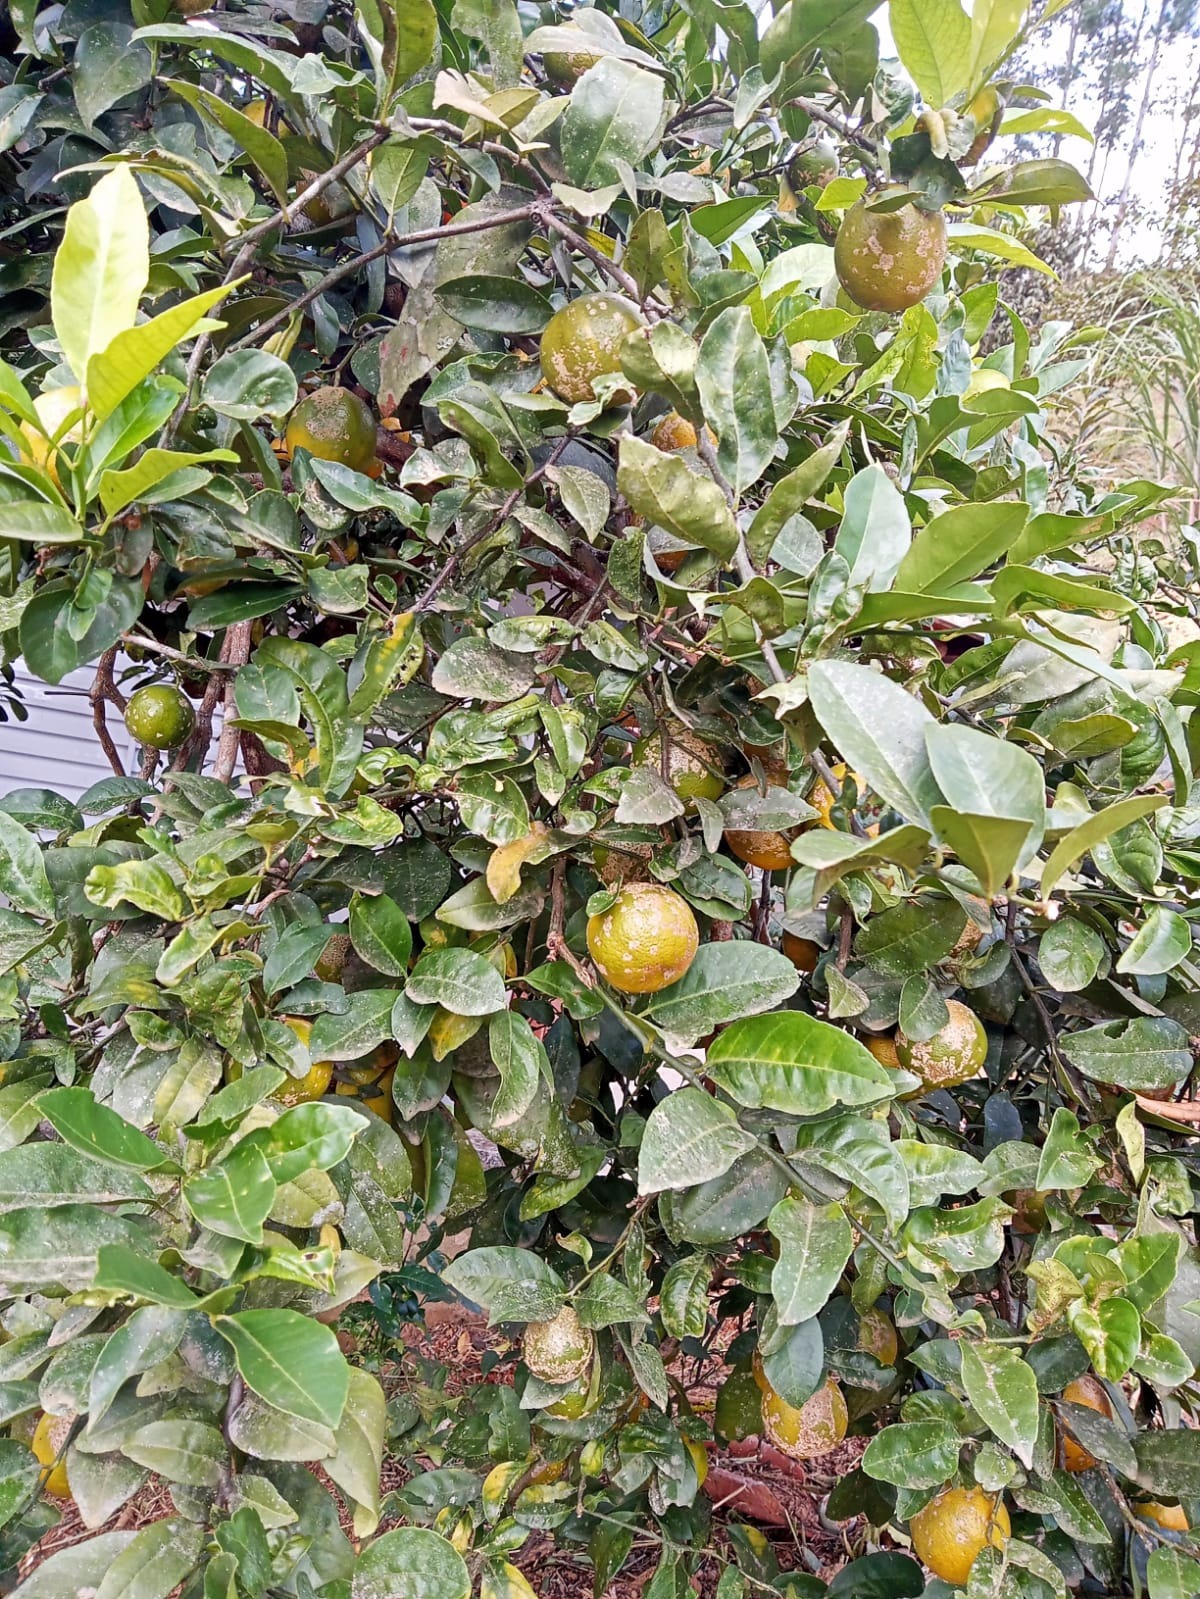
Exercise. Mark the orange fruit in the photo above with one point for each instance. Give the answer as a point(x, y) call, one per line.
point(645, 941)
point(877, 1336)
point(159, 716)
point(559, 1350)
point(767, 849)
point(1091, 1392)
point(951, 1056)
point(1169, 1517)
point(987, 109)
point(693, 766)
point(802, 952)
point(883, 1047)
point(955, 1527)
point(53, 407)
point(889, 260)
point(816, 164)
point(582, 342)
point(818, 1426)
point(333, 424)
point(564, 68)
point(49, 1436)
point(316, 1080)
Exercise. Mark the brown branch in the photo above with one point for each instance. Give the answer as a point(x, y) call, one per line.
point(817, 113)
point(236, 653)
point(103, 688)
point(287, 214)
point(391, 242)
point(578, 242)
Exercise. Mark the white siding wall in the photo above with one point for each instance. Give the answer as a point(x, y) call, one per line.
point(57, 747)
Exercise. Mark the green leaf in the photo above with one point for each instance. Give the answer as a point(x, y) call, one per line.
point(121, 1270)
point(1144, 1053)
point(989, 241)
point(990, 846)
point(234, 1197)
point(501, 305)
point(1168, 1462)
point(1003, 1390)
point(380, 933)
point(815, 1242)
point(76, 1568)
point(796, 1064)
point(38, 522)
point(291, 1361)
point(683, 1299)
point(880, 731)
point(97, 1130)
point(800, 25)
point(858, 1150)
point(734, 380)
point(188, 1452)
point(875, 531)
point(1067, 1160)
point(416, 25)
point(143, 883)
point(148, 1336)
point(789, 496)
point(724, 981)
point(356, 1466)
point(158, 1560)
point(1111, 1332)
point(613, 118)
point(365, 1022)
point(960, 544)
point(22, 869)
point(114, 372)
point(410, 1563)
point(460, 980)
point(689, 1138)
point(1044, 182)
point(107, 67)
point(995, 27)
point(119, 489)
point(1070, 954)
point(45, 1175)
point(981, 775)
point(247, 384)
point(510, 1284)
point(1172, 1574)
point(520, 1058)
point(933, 40)
point(100, 269)
point(913, 1454)
point(259, 143)
point(1069, 851)
point(308, 1137)
point(667, 493)
point(1163, 940)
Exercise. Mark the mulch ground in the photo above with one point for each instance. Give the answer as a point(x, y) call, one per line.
point(747, 1483)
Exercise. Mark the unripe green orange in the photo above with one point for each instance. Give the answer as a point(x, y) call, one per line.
point(889, 260)
point(582, 342)
point(159, 716)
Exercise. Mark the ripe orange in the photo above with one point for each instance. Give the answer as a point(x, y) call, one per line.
point(334, 425)
point(675, 432)
point(159, 716)
point(582, 342)
point(767, 849)
point(818, 1426)
point(645, 941)
point(951, 1056)
point(802, 952)
point(889, 260)
point(48, 1438)
point(955, 1527)
point(883, 1047)
point(316, 1080)
point(1090, 1392)
point(1169, 1517)
point(559, 1350)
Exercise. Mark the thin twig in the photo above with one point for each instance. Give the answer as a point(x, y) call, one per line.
point(103, 688)
point(236, 653)
point(287, 214)
point(577, 242)
point(817, 113)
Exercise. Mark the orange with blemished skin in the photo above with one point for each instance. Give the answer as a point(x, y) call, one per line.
point(333, 424)
point(764, 848)
point(889, 260)
point(813, 1429)
point(955, 1527)
point(883, 1047)
point(582, 342)
point(645, 941)
point(952, 1056)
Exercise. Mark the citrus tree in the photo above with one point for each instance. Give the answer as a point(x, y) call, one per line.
point(655, 709)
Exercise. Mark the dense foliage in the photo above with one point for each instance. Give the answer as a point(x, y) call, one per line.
point(716, 754)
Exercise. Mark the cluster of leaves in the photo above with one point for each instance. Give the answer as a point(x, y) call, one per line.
point(462, 689)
